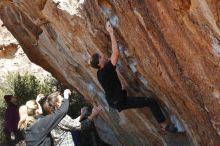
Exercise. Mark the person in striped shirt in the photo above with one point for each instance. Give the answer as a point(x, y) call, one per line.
point(62, 133)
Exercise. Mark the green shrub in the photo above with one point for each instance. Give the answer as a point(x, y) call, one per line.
point(28, 86)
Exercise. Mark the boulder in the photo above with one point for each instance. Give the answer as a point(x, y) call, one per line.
point(169, 49)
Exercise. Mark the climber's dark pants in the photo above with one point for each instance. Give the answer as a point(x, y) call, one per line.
point(139, 102)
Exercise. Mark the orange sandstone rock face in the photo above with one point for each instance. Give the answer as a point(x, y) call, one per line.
point(8, 45)
point(169, 48)
point(7, 50)
point(13, 59)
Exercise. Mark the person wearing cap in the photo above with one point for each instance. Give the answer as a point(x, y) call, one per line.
point(117, 97)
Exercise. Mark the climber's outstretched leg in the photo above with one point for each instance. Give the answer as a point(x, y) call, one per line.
point(139, 102)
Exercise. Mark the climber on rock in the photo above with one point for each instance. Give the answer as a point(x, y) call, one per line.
point(115, 95)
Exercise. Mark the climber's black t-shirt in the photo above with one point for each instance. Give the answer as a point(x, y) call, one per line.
point(110, 82)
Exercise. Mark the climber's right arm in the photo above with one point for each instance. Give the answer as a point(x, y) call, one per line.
point(115, 50)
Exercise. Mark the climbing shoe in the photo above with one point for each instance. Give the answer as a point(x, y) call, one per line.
point(171, 128)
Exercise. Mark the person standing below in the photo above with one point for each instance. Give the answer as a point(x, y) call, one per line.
point(35, 126)
point(12, 134)
point(61, 134)
point(115, 95)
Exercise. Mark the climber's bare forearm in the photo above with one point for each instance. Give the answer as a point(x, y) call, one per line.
point(115, 50)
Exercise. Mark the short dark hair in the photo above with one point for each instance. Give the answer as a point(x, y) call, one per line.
point(95, 61)
point(8, 98)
